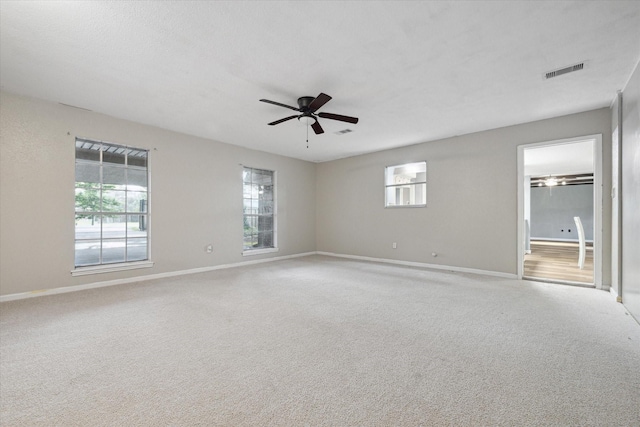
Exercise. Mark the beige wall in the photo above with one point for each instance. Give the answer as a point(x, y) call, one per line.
point(471, 216)
point(470, 219)
point(195, 195)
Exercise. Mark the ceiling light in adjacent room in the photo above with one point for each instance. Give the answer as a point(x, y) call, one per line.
point(551, 182)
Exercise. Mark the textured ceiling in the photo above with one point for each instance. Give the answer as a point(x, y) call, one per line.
point(411, 71)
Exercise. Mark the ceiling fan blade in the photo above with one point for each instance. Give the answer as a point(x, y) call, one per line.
point(347, 119)
point(320, 100)
point(279, 104)
point(317, 128)
point(277, 122)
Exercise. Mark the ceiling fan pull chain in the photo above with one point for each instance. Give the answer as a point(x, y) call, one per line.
point(307, 135)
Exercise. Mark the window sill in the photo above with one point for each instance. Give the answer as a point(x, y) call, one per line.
point(110, 268)
point(259, 251)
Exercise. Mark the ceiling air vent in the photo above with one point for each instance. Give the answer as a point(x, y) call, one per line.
point(565, 70)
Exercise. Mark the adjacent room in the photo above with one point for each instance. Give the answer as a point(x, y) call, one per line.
point(256, 213)
point(559, 204)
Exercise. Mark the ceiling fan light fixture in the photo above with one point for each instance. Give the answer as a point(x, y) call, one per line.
point(307, 120)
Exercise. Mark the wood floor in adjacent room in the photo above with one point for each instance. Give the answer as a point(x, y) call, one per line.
point(558, 261)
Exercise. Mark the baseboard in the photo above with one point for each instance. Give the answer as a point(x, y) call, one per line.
point(424, 265)
point(614, 294)
point(65, 289)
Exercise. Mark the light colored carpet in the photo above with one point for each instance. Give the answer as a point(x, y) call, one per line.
point(323, 342)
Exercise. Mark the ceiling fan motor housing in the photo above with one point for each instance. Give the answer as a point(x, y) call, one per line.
point(307, 117)
point(304, 102)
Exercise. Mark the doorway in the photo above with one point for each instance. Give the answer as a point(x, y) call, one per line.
point(560, 211)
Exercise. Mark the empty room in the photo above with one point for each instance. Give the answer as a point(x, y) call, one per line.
point(280, 213)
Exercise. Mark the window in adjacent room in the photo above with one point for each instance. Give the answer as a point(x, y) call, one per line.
point(259, 211)
point(406, 185)
point(111, 209)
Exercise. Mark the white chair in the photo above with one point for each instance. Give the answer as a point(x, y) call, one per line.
point(581, 242)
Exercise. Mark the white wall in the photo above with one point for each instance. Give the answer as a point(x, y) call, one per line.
point(631, 194)
point(471, 214)
point(616, 197)
point(195, 199)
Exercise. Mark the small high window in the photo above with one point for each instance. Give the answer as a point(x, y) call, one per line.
point(259, 211)
point(406, 185)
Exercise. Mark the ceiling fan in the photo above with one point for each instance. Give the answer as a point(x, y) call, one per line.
point(308, 105)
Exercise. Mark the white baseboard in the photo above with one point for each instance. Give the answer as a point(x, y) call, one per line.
point(65, 289)
point(54, 291)
point(614, 294)
point(424, 265)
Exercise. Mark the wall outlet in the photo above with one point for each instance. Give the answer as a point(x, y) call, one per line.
point(209, 249)
point(394, 245)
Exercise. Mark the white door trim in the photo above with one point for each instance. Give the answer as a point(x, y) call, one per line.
point(597, 201)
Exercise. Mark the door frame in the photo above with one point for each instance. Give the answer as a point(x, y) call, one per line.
point(598, 204)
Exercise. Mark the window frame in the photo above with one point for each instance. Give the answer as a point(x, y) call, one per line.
point(102, 267)
point(414, 184)
point(274, 214)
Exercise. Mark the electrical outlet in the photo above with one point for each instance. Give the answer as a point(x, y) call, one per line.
point(395, 245)
point(209, 249)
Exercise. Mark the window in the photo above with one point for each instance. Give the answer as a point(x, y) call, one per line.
point(406, 185)
point(111, 209)
point(259, 207)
